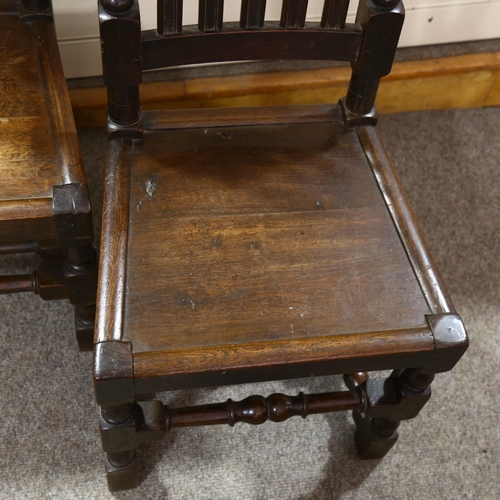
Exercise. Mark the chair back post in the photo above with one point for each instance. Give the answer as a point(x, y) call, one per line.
point(120, 29)
point(382, 21)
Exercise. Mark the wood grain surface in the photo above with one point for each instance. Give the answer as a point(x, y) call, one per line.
point(58, 106)
point(262, 233)
point(27, 157)
point(157, 371)
point(114, 239)
point(406, 223)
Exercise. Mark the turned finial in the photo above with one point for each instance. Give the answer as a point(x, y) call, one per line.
point(117, 6)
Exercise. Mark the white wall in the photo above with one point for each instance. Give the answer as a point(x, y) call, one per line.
point(427, 22)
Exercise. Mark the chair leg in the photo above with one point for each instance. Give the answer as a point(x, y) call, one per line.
point(374, 437)
point(84, 326)
point(400, 397)
point(121, 470)
point(118, 435)
point(81, 280)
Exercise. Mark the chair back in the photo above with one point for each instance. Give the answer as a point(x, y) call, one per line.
point(369, 44)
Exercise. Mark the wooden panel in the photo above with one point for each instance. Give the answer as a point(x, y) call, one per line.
point(334, 14)
point(254, 243)
point(252, 14)
point(169, 17)
point(210, 15)
point(235, 44)
point(293, 13)
point(27, 157)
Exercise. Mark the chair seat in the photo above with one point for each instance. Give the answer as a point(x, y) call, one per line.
point(27, 156)
point(259, 236)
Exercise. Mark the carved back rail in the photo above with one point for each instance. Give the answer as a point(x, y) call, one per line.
point(369, 44)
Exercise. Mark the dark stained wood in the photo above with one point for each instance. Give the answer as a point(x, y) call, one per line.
point(113, 373)
point(18, 247)
point(334, 14)
point(354, 380)
point(292, 189)
point(256, 410)
point(210, 15)
point(169, 17)
point(381, 27)
point(17, 284)
point(217, 117)
point(406, 223)
point(235, 44)
point(252, 14)
point(26, 219)
point(250, 245)
point(112, 263)
point(157, 371)
point(122, 62)
point(293, 13)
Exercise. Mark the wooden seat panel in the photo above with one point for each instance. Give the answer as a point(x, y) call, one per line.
point(28, 163)
point(281, 236)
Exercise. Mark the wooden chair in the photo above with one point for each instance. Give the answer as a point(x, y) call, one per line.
point(242, 245)
point(44, 202)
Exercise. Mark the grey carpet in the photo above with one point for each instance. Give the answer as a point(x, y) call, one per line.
point(449, 162)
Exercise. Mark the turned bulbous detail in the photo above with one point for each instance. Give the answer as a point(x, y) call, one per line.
point(117, 6)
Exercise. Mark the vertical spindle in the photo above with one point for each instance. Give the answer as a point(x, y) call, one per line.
point(334, 14)
point(252, 14)
point(169, 17)
point(293, 13)
point(210, 15)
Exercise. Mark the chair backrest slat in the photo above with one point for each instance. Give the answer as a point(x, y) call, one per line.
point(334, 14)
point(169, 17)
point(252, 14)
point(210, 15)
point(369, 44)
point(293, 13)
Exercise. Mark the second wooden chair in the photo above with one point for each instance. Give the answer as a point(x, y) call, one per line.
point(44, 200)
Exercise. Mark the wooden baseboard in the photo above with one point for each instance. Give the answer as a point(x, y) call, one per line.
point(466, 81)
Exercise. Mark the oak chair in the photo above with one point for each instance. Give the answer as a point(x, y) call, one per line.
point(243, 245)
point(44, 201)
